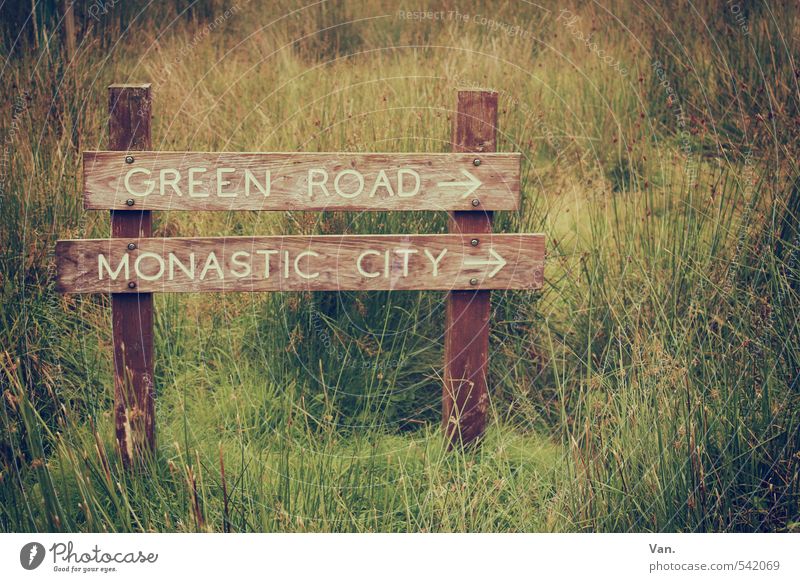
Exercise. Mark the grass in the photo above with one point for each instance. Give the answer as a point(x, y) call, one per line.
point(652, 385)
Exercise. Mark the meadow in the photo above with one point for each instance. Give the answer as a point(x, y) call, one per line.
point(652, 385)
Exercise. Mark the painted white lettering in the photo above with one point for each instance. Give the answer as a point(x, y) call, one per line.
point(406, 253)
point(149, 184)
point(323, 178)
point(188, 271)
point(344, 173)
point(236, 259)
point(250, 178)
point(212, 263)
point(266, 260)
point(382, 181)
point(164, 182)
point(103, 264)
point(360, 268)
point(192, 183)
point(401, 191)
point(435, 261)
point(302, 274)
point(142, 274)
point(222, 182)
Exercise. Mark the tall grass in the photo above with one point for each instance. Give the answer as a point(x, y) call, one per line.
point(652, 385)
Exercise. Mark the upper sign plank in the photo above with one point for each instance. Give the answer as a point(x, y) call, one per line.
point(298, 263)
point(300, 181)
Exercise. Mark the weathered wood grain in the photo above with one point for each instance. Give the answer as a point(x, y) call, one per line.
point(465, 394)
point(300, 181)
point(294, 263)
point(129, 124)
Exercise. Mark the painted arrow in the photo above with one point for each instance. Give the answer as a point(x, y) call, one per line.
point(471, 184)
point(499, 262)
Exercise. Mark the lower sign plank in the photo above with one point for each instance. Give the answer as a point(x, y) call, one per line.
point(298, 263)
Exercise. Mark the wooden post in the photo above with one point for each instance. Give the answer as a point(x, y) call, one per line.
point(132, 313)
point(465, 397)
point(68, 15)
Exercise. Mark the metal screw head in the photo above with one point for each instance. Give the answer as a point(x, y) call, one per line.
point(131, 246)
point(129, 202)
point(476, 162)
point(474, 242)
point(476, 202)
point(473, 281)
point(129, 159)
point(131, 285)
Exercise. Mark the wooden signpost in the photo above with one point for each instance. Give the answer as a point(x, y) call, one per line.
point(469, 262)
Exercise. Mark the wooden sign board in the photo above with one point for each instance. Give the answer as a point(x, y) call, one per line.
point(297, 263)
point(300, 181)
point(469, 183)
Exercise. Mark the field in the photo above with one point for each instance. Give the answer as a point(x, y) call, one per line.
point(652, 385)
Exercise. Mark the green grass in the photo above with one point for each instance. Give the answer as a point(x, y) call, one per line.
point(652, 385)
